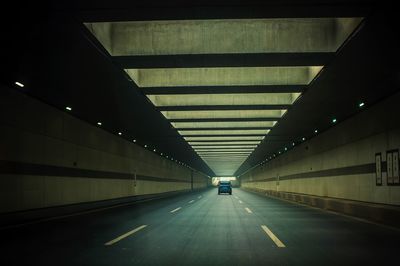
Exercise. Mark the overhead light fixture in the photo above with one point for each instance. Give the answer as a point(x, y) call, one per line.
point(154, 150)
point(316, 131)
point(134, 140)
point(68, 108)
point(99, 123)
point(19, 84)
point(334, 120)
point(293, 144)
point(285, 149)
point(361, 104)
point(161, 154)
point(303, 139)
point(119, 133)
point(145, 145)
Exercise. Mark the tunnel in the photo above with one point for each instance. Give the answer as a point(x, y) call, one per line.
point(200, 133)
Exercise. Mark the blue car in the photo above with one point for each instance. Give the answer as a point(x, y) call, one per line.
point(225, 187)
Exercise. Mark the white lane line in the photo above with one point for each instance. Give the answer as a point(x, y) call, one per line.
point(273, 237)
point(124, 235)
point(240, 201)
point(191, 201)
point(175, 210)
point(248, 210)
point(199, 197)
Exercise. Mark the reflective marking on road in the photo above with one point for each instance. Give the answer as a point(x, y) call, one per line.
point(240, 201)
point(177, 209)
point(191, 201)
point(248, 210)
point(125, 235)
point(199, 197)
point(272, 236)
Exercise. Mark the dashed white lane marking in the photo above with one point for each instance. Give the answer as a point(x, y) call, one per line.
point(240, 201)
point(199, 197)
point(191, 201)
point(248, 210)
point(175, 210)
point(273, 237)
point(125, 235)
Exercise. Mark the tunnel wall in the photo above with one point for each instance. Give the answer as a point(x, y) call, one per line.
point(50, 158)
point(340, 162)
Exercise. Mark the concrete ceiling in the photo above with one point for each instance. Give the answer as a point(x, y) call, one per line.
point(223, 36)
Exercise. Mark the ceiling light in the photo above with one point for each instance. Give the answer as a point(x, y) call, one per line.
point(134, 140)
point(99, 123)
point(303, 139)
point(361, 104)
point(19, 84)
point(68, 108)
point(334, 120)
point(285, 149)
point(145, 145)
point(316, 131)
point(161, 154)
point(154, 150)
point(119, 133)
point(293, 144)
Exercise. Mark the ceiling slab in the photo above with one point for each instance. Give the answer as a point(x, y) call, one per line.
point(223, 76)
point(215, 36)
point(224, 99)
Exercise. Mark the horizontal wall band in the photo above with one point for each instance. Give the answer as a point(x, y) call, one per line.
point(349, 170)
point(22, 168)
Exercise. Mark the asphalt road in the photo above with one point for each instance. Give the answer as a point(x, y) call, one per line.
point(203, 228)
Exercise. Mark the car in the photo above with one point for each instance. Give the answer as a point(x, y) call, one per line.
point(225, 187)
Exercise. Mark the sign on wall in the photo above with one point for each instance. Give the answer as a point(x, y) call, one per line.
point(378, 169)
point(392, 167)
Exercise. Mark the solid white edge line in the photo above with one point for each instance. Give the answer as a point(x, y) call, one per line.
point(177, 209)
point(191, 201)
point(248, 210)
point(125, 235)
point(273, 237)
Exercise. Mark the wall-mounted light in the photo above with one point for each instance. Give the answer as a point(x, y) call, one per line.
point(19, 84)
point(68, 108)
